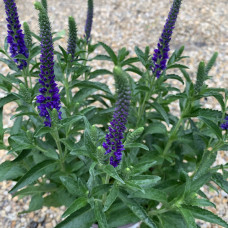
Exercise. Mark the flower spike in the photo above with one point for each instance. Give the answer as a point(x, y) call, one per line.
point(49, 98)
point(89, 20)
point(114, 138)
point(15, 36)
point(28, 36)
point(72, 37)
point(160, 55)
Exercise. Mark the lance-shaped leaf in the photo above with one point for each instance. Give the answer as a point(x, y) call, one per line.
point(34, 173)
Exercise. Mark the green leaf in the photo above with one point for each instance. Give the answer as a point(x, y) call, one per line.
point(207, 113)
point(9, 171)
point(41, 131)
point(7, 99)
point(206, 162)
point(82, 218)
point(70, 120)
point(120, 215)
point(179, 52)
point(143, 167)
point(92, 85)
point(33, 174)
point(90, 147)
point(151, 194)
point(180, 66)
point(174, 76)
point(199, 182)
point(189, 219)
point(36, 203)
point(201, 203)
point(205, 215)
point(23, 114)
point(30, 190)
point(145, 180)
point(137, 210)
point(122, 53)
point(136, 145)
point(217, 131)
point(135, 187)
point(102, 57)
point(171, 219)
point(220, 181)
point(156, 128)
point(211, 63)
point(70, 184)
point(111, 197)
point(111, 171)
point(162, 111)
point(76, 205)
point(129, 61)
point(99, 214)
point(99, 72)
point(16, 126)
point(10, 64)
point(110, 52)
point(140, 55)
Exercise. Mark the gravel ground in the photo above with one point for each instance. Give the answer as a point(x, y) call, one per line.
point(202, 27)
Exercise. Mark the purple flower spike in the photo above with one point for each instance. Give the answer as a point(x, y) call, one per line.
point(114, 138)
point(49, 98)
point(89, 20)
point(224, 125)
point(15, 36)
point(160, 55)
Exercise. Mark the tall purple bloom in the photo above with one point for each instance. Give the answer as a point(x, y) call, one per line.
point(49, 98)
point(89, 20)
point(15, 36)
point(114, 138)
point(224, 125)
point(160, 55)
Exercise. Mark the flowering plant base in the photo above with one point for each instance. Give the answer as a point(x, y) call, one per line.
point(111, 159)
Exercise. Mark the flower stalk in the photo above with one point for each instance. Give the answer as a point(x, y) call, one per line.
point(113, 144)
point(49, 97)
point(15, 37)
point(160, 55)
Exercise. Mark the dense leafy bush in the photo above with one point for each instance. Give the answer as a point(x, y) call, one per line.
point(65, 134)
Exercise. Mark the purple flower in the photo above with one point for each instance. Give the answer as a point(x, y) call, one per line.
point(160, 55)
point(224, 125)
point(89, 20)
point(114, 138)
point(49, 98)
point(15, 36)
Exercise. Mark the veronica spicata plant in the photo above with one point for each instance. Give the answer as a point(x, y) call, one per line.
point(110, 158)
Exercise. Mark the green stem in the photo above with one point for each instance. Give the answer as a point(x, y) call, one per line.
point(107, 178)
point(25, 78)
point(146, 98)
point(67, 85)
point(176, 128)
point(172, 136)
point(55, 135)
